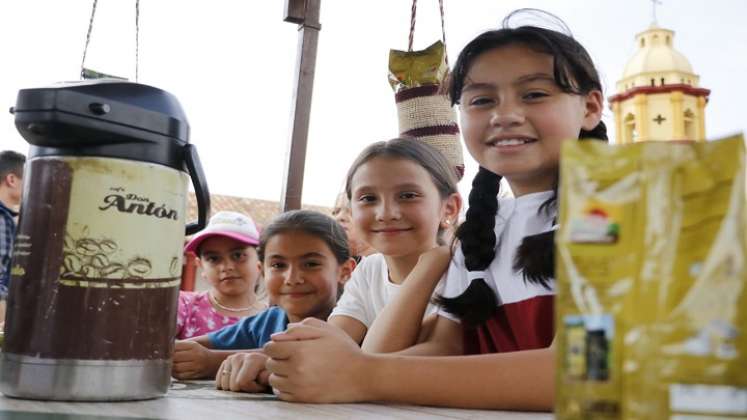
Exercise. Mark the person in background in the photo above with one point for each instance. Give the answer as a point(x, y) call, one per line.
point(227, 257)
point(341, 213)
point(11, 191)
point(305, 258)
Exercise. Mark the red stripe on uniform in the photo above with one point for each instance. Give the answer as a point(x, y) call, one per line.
point(523, 325)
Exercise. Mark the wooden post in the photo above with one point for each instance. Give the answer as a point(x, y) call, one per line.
point(189, 271)
point(306, 14)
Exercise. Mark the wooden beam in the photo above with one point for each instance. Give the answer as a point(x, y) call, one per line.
point(308, 36)
point(294, 11)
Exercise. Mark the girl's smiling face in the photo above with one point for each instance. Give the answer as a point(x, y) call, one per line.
point(303, 275)
point(230, 266)
point(514, 117)
point(396, 206)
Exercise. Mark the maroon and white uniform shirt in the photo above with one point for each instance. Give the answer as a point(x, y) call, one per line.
point(524, 317)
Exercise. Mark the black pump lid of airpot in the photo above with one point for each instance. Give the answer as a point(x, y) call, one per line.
point(108, 118)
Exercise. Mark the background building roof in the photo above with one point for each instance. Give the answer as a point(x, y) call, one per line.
point(262, 211)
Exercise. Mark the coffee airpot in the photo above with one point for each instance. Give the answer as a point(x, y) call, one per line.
point(97, 259)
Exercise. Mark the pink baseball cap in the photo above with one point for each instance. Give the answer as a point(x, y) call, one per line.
point(230, 224)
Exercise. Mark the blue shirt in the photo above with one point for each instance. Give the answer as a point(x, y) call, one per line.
point(251, 332)
point(7, 234)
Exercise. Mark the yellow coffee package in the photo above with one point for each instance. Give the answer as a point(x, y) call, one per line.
point(651, 269)
point(597, 253)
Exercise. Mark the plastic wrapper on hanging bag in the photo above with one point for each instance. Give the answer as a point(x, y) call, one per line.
point(424, 112)
point(410, 69)
point(652, 291)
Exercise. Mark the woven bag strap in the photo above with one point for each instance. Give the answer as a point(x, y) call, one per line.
point(413, 12)
point(88, 40)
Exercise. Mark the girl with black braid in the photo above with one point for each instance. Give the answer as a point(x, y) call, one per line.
point(521, 92)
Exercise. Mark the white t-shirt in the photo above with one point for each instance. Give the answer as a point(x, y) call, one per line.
point(516, 219)
point(369, 290)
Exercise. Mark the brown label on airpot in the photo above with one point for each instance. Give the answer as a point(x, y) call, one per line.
point(98, 259)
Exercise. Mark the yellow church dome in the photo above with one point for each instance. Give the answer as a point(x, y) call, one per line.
point(656, 54)
point(656, 59)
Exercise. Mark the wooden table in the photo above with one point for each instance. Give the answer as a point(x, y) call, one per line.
point(189, 400)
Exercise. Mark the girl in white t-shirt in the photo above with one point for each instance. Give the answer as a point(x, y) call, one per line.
point(402, 196)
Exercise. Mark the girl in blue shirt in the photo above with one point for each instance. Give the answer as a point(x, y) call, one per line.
point(305, 259)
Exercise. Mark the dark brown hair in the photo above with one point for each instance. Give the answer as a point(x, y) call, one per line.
point(426, 156)
point(311, 223)
point(11, 163)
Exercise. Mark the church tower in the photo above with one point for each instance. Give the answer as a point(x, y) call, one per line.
point(658, 97)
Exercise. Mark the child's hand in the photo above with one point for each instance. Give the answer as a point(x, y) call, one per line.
point(436, 259)
point(191, 360)
point(316, 362)
point(243, 372)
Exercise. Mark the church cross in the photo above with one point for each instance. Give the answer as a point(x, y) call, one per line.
point(653, 9)
point(659, 119)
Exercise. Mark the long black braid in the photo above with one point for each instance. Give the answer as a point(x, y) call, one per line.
point(478, 244)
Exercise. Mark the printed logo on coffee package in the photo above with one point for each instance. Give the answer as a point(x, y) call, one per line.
point(598, 223)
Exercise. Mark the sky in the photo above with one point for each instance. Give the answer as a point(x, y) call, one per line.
point(231, 64)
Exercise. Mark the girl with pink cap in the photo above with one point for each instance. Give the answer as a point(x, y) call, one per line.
point(227, 257)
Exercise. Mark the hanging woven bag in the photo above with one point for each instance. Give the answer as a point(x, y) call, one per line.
point(424, 111)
